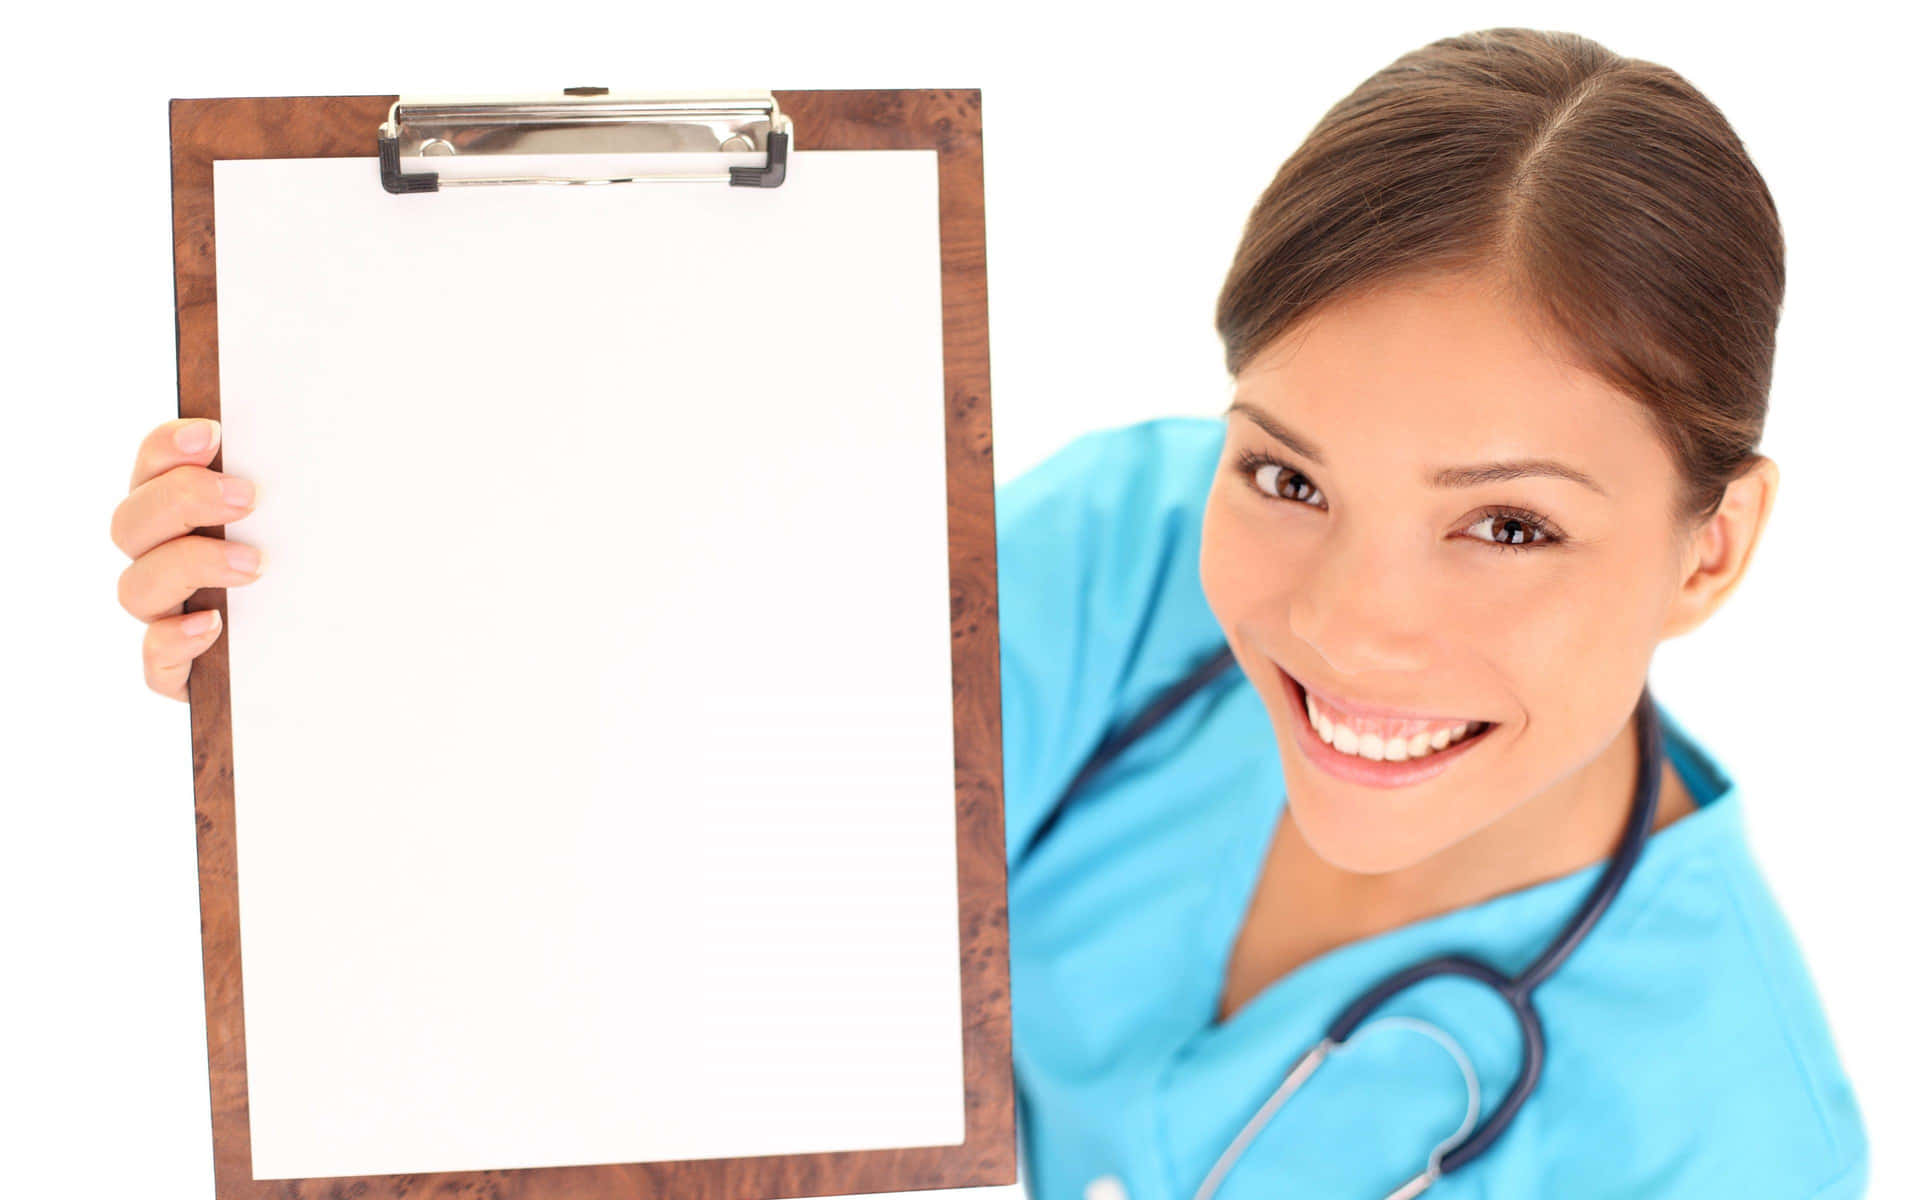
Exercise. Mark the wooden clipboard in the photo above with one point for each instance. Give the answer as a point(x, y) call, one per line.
point(947, 121)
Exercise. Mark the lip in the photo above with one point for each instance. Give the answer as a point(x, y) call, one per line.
point(1365, 771)
point(1380, 712)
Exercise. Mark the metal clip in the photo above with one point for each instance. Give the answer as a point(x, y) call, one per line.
point(462, 133)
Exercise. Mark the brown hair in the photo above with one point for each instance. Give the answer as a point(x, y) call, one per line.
point(1608, 194)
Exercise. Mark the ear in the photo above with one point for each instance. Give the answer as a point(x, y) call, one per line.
point(1720, 549)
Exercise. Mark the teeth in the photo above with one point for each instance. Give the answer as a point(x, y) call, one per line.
point(1373, 746)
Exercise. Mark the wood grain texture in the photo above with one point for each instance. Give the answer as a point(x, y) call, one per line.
point(947, 121)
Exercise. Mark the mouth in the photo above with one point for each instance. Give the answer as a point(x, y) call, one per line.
point(1369, 758)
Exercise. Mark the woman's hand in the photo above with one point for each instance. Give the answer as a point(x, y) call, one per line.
point(172, 493)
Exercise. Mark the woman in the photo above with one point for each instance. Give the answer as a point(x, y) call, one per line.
point(1511, 247)
point(1500, 335)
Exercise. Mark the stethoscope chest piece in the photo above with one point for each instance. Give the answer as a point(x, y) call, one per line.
point(1106, 1187)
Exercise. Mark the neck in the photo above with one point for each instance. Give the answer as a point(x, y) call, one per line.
point(1574, 824)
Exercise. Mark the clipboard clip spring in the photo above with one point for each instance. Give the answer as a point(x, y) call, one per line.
point(462, 134)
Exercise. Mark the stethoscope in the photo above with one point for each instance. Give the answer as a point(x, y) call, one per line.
point(1459, 1148)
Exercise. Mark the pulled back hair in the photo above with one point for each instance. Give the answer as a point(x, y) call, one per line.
point(1611, 198)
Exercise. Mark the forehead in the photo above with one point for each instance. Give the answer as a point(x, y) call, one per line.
point(1443, 369)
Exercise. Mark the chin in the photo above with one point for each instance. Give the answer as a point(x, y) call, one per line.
point(1355, 841)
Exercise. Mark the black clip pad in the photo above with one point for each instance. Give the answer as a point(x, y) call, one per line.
point(771, 175)
point(396, 181)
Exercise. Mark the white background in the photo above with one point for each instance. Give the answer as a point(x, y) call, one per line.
point(1123, 151)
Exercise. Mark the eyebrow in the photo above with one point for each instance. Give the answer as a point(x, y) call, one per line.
point(1471, 475)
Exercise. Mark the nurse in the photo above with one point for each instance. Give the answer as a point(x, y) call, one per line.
point(1500, 336)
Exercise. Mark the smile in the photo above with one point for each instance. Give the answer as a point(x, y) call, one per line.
point(1376, 751)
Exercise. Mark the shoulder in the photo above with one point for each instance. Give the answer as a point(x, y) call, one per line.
point(1099, 596)
point(1766, 976)
point(1698, 1014)
point(1792, 1078)
point(1100, 540)
point(1120, 474)
point(1099, 544)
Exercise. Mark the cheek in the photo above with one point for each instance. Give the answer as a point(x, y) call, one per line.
point(1244, 567)
point(1531, 622)
point(1571, 637)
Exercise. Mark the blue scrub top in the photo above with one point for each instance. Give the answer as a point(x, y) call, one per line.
point(1687, 1053)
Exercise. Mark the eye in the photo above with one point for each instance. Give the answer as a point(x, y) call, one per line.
point(1514, 529)
point(1510, 525)
point(1264, 472)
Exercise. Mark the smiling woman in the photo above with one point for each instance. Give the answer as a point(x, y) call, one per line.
point(1500, 335)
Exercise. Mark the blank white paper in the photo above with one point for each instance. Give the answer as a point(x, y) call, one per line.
point(592, 718)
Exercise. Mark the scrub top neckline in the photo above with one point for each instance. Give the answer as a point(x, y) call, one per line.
point(1716, 814)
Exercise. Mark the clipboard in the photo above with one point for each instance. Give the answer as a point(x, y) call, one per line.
point(733, 148)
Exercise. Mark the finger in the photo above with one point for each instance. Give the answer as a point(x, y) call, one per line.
point(188, 440)
point(158, 582)
point(171, 645)
point(178, 501)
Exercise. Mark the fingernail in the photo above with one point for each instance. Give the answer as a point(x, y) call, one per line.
point(201, 622)
point(195, 436)
point(235, 491)
point(242, 557)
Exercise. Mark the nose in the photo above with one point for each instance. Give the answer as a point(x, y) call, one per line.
point(1357, 604)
